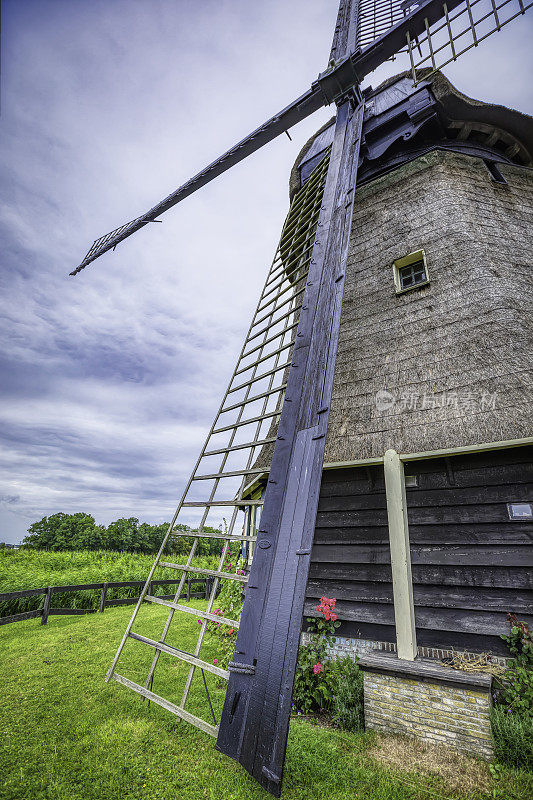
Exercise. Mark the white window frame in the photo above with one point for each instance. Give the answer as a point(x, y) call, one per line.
point(406, 261)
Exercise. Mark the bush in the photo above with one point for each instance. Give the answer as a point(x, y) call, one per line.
point(514, 689)
point(513, 737)
point(348, 710)
point(316, 677)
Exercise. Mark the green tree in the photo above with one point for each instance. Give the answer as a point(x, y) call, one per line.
point(65, 532)
point(122, 534)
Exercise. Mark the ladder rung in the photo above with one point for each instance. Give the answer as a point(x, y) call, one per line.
point(270, 339)
point(234, 474)
point(255, 397)
point(212, 572)
point(245, 446)
point(206, 503)
point(230, 537)
point(212, 730)
point(260, 377)
point(172, 651)
point(260, 360)
point(249, 421)
point(194, 611)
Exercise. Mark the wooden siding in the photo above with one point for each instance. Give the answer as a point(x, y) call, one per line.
point(471, 564)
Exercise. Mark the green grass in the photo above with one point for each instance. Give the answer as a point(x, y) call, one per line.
point(67, 735)
point(513, 737)
point(34, 569)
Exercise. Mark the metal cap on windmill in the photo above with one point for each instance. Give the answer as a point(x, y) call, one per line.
point(396, 206)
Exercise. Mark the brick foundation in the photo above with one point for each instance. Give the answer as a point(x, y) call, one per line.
point(429, 702)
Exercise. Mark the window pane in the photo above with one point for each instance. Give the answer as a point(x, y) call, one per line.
point(412, 275)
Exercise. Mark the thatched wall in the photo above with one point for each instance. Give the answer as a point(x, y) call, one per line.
point(465, 340)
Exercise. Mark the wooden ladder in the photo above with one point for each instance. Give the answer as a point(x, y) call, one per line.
point(232, 463)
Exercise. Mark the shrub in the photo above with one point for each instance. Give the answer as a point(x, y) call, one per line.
point(316, 677)
point(514, 689)
point(513, 737)
point(348, 697)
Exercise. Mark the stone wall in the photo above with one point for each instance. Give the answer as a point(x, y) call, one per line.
point(434, 712)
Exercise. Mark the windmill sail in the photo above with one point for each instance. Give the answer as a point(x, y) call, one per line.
point(227, 468)
point(301, 108)
point(460, 30)
point(368, 33)
point(256, 714)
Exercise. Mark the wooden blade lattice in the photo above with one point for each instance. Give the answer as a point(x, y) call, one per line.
point(228, 462)
point(377, 16)
point(458, 31)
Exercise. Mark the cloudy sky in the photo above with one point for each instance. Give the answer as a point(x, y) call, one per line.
point(110, 380)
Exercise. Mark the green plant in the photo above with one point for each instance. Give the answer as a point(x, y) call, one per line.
point(34, 569)
point(514, 689)
point(348, 699)
point(513, 737)
point(316, 676)
point(229, 604)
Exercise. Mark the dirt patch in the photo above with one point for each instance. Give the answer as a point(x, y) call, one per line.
point(459, 772)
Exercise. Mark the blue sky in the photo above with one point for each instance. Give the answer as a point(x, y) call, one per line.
point(109, 381)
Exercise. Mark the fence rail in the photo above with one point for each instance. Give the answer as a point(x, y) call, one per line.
point(47, 610)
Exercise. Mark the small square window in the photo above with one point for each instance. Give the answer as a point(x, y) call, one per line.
point(520, 511)
point(410, 272)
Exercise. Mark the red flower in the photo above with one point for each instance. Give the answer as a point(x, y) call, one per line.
point(230, 631)
point(318, 668)
point(326, 607)
point(215, 661)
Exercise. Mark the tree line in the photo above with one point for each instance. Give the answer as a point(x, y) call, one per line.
point(80, 532)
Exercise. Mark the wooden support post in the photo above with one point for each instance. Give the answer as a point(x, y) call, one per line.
point(207, 584)
point(102, 598)
point(188, 589)
point(402, 583)
point(46, 607)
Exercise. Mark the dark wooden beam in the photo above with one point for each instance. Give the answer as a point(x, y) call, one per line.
point(256, 713)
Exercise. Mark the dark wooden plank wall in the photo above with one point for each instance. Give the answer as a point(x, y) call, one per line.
point(471, 564)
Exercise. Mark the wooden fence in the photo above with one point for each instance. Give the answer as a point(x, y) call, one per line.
point(47, 610)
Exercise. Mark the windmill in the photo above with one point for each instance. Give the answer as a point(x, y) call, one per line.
point(280, 392)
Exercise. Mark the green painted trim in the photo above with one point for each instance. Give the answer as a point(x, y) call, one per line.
point(254, 489)
point(361, 462)
point(474, 448)
point(449, 451)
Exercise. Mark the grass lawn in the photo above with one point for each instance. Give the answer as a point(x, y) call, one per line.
point(67, 735)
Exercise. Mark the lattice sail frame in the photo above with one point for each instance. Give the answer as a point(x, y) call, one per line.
point(375, 17)
point(459, 31)
point(264, 360)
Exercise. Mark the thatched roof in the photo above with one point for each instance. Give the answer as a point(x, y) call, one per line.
point(449, 364)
